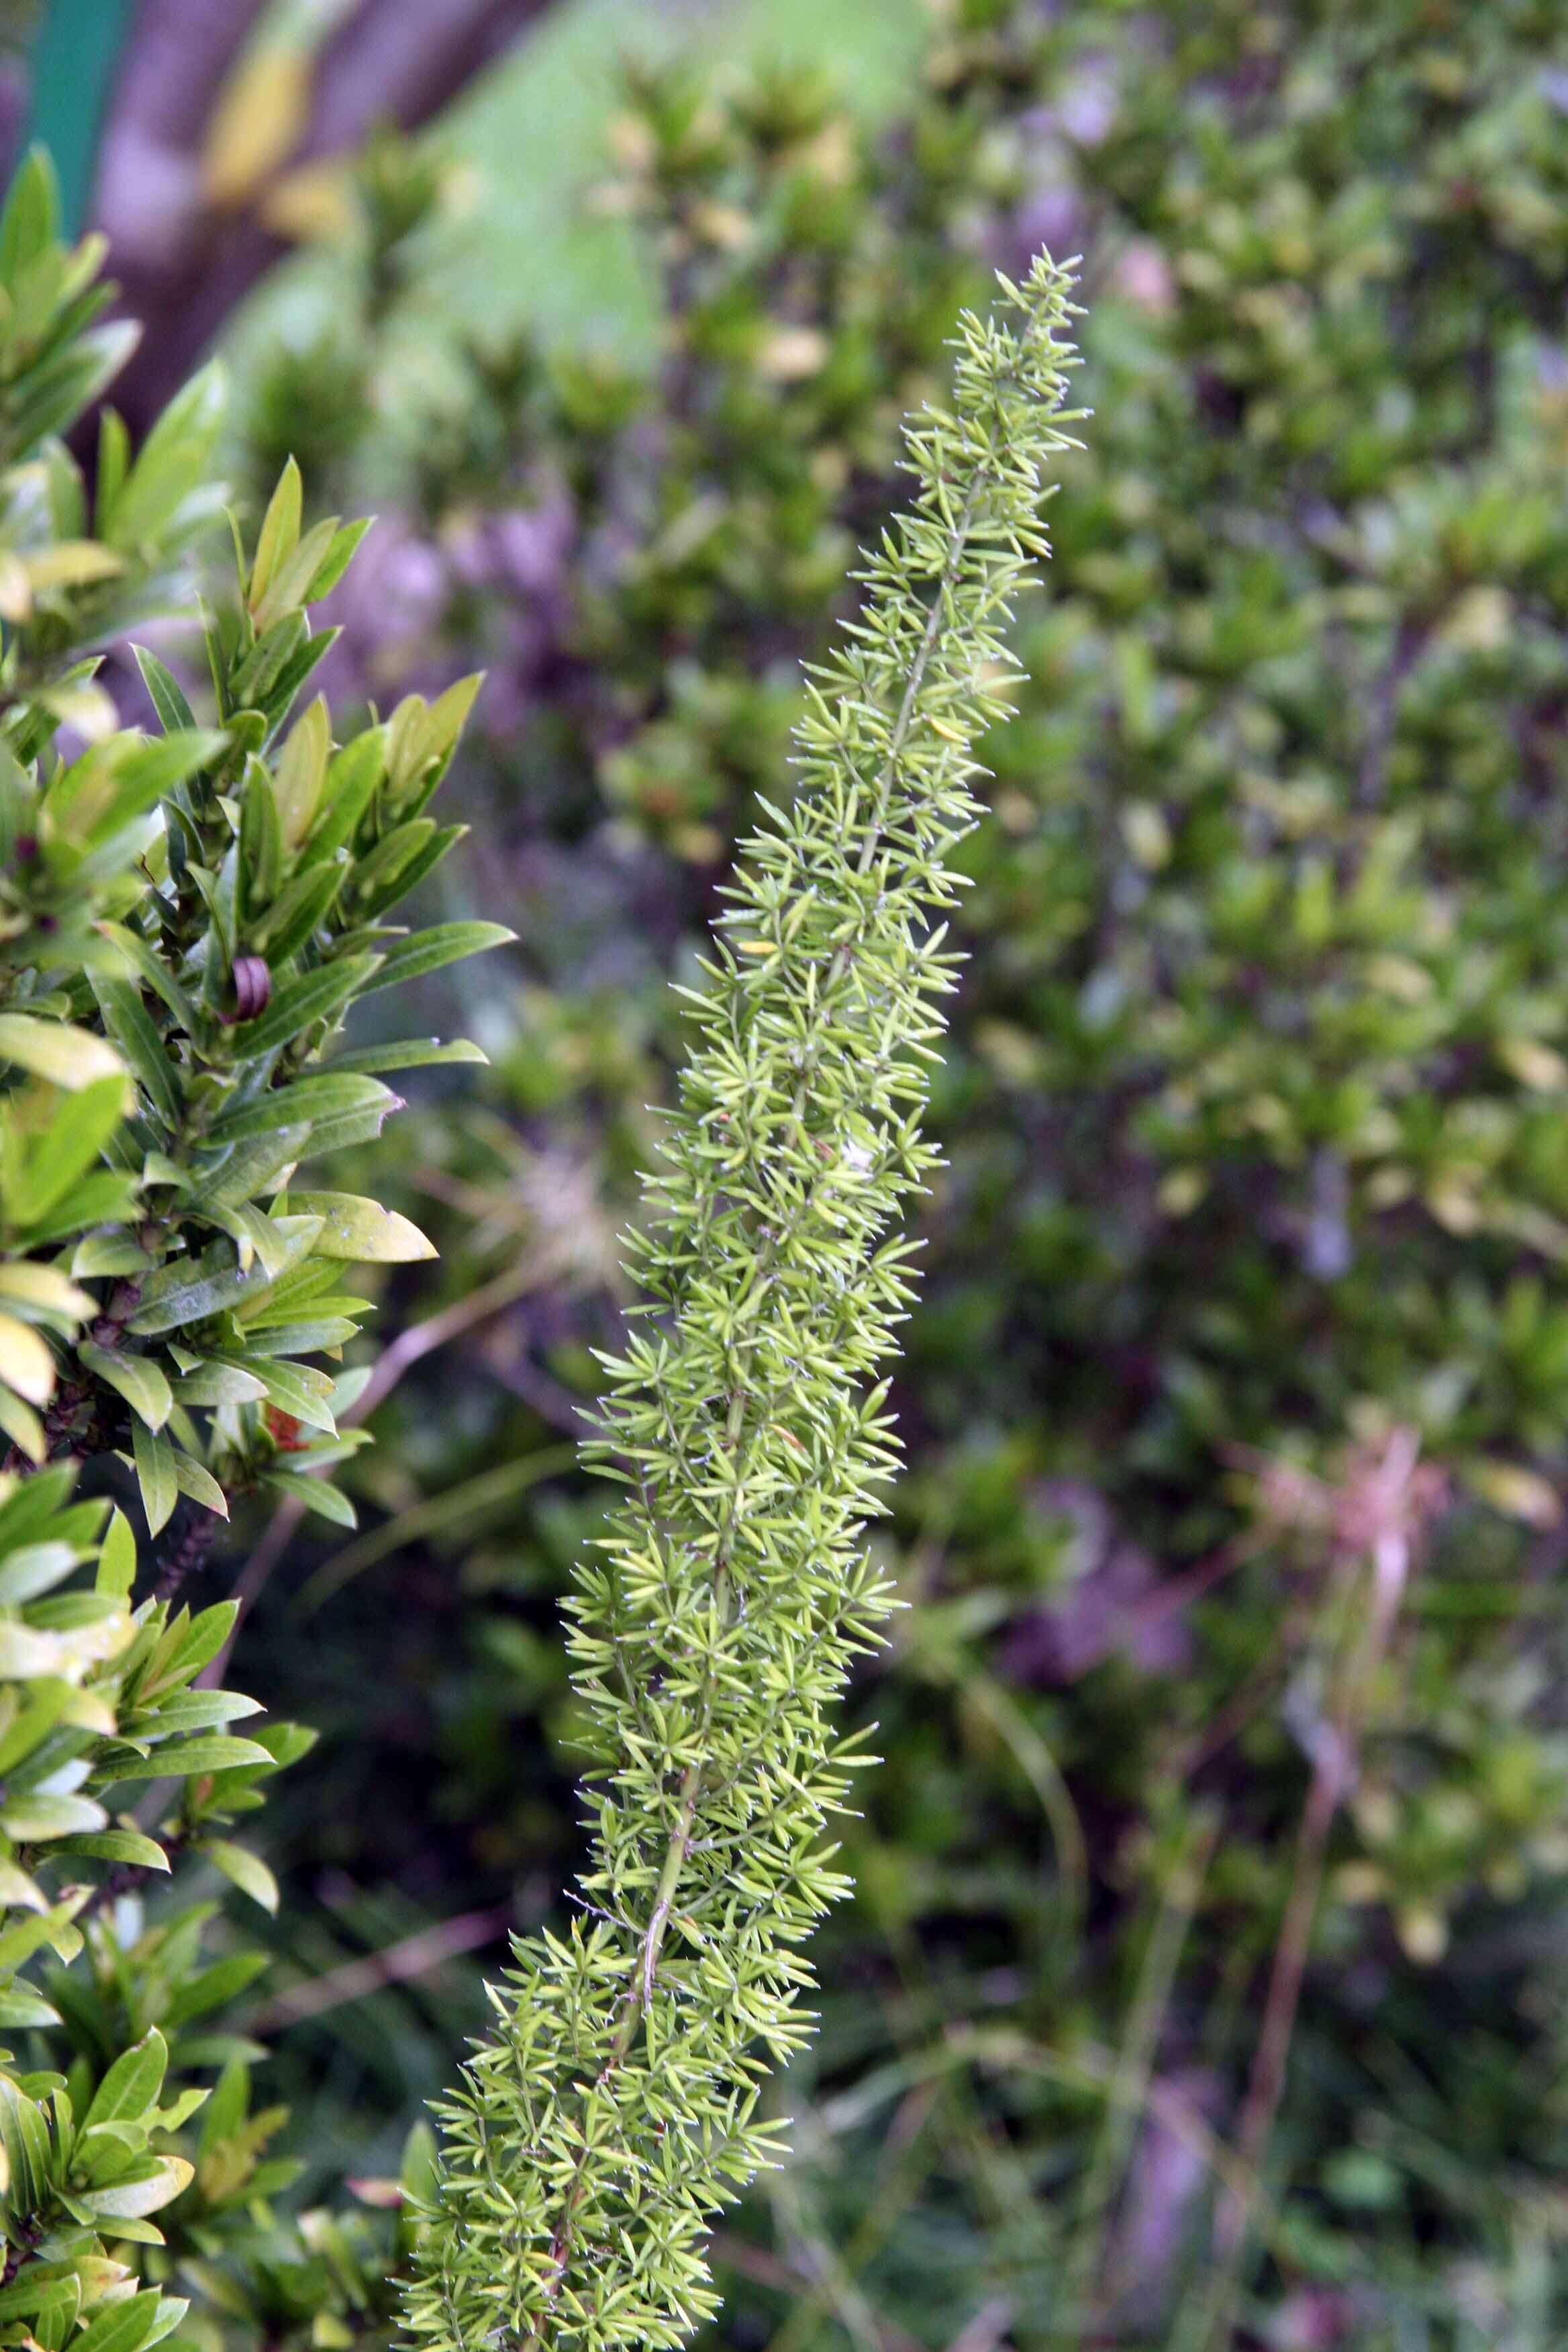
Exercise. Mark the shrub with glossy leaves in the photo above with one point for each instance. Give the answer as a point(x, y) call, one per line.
point(187, 916)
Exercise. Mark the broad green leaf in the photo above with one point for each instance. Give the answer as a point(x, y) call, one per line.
point(295, 576)
point(93, 800)
point(327, 1501)
point(301, 770)
point(182, 1294)
point(220, 1751)
point(190, 1643)
point(130, 2088)
point(261, 855)
point(117, 1560)
point(423, 732)
point(24, 2141)
point(153, 2183)
point(41, 2290)
point(174, 457)
point(319, 1094)
point(21, 2008)
point(144, 1384)
point(18, 1892)
point(121, 1846)
point(151, 968)
point(102, 1254)
point(67, 1057)
point(196, 1710)
point(95, 1199)
point(428, 951)
point(407, 1054)
point(253, 1166)
point(218, 1384)
point(299, 1390)
point(298, 912)
point(198, 1484)
point(22, 1937)
point(29, 1570)
point(243, 1869)
point(71, 563)
point(338, 556)
point(350, 785)
point(31, 1816)
point(29, 1650)
point(121, 2326)
point(155, 1475)
point(135, 1034)
point(30, 222)
point(360, 1231)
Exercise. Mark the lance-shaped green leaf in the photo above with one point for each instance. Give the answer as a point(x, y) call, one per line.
point(361, 1231)
point(143, 1383)
point(50, 1049)
point(184, 1292)
point(428, 950)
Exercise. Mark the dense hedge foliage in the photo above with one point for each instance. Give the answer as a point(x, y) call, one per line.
point(1238, 1393)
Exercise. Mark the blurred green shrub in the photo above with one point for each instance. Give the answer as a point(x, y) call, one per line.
point(1246, 1260)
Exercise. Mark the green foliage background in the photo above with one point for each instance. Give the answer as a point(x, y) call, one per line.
point(1254, 1122)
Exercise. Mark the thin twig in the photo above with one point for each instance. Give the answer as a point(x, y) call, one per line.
point(773, 2271)
point(1391, 1494)
point(419, 1955)
point(986, 2331)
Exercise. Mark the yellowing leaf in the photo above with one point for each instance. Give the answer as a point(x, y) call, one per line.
point(313, 205)
point(71, 564)
point(15, 589)
point(50, 1049)
point(302, 771)
point(83, 707)
point(25, 1651)
point(1423, 1932)
point(1182, 1189)
point(1533, 1064)
point(257, 123)
point(1147, 834)
point(157, 2180)
point(43, 1288)
point(21, 1426)
point(1520, 1494)
point(25, 1361)
point(790, 353)
point(359, 1230)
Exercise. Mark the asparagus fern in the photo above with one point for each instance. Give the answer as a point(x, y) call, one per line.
point(614, 2110)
